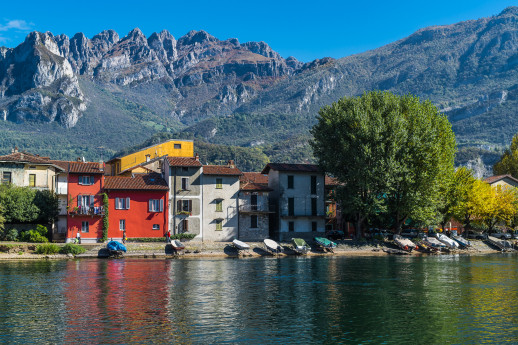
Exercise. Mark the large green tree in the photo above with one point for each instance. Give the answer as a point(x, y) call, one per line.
point(508, 163)
point(392, 153)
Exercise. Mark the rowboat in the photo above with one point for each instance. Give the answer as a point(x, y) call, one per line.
point(300, 246)
point(177, 245)
point(503, 245)
point(240, 245)
point(447, 241)
point(325, 243)
point(272, 246)
point(433, 242)
point(462, 241)
point(404, 243)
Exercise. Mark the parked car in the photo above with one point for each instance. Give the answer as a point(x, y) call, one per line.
point(335, 235)
point(410, 233)
point(499, 234)
point(474, 235)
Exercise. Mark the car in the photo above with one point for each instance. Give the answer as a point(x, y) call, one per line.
point(474, 235)
point(500, 234)
point(335, 235)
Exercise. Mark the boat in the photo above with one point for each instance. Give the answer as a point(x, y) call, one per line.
point(115, 248)
point(427, 248)
point(447, 241)
point(404, 243)
point(300, 246)
point(396, 251)
point(464, 243)
point(324, 243)
point(272, 246)
point(433, 242)
point(503, 245)
point(177, 245)
point(240, 245)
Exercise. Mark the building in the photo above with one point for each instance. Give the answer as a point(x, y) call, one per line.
point(171, 148)
point(137, 205)
point(254, 208)
point(220, 202)
point(333, 216)
point(85, 201)
point(298, 200)
point(184, 177)
point(24, 169)
point(504, 181)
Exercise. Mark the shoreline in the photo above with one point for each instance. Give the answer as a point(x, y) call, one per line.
point(195, 249)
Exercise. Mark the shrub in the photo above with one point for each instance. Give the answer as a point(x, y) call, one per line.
point(48, 248)
point(33, 236)
point(12, 235)
point(183, 236)
point(71, 248)
point(146, 239)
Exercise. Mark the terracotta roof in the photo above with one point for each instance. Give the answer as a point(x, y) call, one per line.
point(183, 162)
point(25, 157)
point(313, 168)
point(221, 170)
point(493, 179)
point(137, 182)
point(331, 181)
point(62, 164)
point(84, 168)
point(254, 181)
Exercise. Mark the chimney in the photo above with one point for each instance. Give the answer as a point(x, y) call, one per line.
point(15, 150)
point(197, 157)
point(101, 166)
point(231, 164)
point(78, 159)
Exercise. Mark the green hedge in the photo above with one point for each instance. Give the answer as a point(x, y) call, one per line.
point(47, 248)
point(71, 248)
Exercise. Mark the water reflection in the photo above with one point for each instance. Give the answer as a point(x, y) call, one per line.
point(424, 300)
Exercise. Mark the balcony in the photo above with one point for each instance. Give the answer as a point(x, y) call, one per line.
point(87, 211)
point(301, 213)
point(256, 209)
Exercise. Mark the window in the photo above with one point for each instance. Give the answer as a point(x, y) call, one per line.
point(85, 227)
point(184, 225)
point(219, 183)
point(156, 205)
point(291, 226)
point(122, 225)
point(84, 202)
point(219, 224)
point(6, 177)
point(156, 226)
point(253, 202)
point(185, 183)
point(313, 185)
point(313, 226)
point(313, 206)
point(184, 206)
point(253, 222)
point(122, 203)
point(290, 181)
point(178, 146)
point(86, 180)
point(291, 206)
point(219, 205)
point(32, 167)
point(32, 180)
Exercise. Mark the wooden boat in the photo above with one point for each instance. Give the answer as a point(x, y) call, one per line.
point(464, 243)
point(404, 243)
point(272, 246)
point(300, 246)
point(324, 243)
point(240, 245)
point(177, 245)
point(447, 241)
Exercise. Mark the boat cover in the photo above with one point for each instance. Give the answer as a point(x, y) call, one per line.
point(324, 242)
point(116, 246)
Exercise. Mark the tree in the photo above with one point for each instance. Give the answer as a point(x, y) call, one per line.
point(391, 154)
point(499, 206)
point(508, 163)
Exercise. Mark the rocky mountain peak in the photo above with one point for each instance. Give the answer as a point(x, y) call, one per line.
point(136, 35)
point(196, 37)
point(261, 48)
point(511, 10)
point(110, 37)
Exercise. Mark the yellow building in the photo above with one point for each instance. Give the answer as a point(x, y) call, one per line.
point(171, 148)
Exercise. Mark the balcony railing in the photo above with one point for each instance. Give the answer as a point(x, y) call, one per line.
point(256, 208)
point(87, 211)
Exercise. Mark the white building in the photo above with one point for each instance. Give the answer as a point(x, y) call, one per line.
point(254, 208)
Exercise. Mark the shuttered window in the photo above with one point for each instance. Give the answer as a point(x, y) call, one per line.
point(86, 180)
point(219, 205)
point(122, 203)
point(156, 205)
point(219, 183)
point(184, 206)
point(219, 224)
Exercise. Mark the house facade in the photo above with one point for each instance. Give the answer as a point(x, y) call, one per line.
point(298, 200)
point(254, 207)
point(220, 188)
point(137, 206)
point(184, 177)
point(504, 181)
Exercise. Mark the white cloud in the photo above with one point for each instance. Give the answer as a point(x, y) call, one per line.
point(16, 24)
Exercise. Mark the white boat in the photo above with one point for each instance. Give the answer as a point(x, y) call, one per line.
point(177, 245)
point(404, 243)
point(447, 241)
point(433, 242)
point(272, 246)
point(240, 245)
point(462, 241)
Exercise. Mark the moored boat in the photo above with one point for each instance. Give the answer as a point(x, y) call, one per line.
point(325, 243)
point(177, 245)
point(462, 241)
point(115, 248)
point(240, 245)
point(404, 243)
point(447, 241)
point(433, 242)
point(272, 246)
point(300, 246)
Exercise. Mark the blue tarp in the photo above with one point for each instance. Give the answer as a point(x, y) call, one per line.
point(114, 245)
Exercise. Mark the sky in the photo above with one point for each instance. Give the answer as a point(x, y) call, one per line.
point(306, 30)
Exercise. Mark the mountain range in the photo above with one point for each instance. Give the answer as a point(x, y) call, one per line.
point(70, 96)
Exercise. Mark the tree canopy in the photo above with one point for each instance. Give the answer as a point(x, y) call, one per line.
point(508, 163)
point(391, 153)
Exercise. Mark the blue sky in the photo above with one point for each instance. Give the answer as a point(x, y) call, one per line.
point(304, 29)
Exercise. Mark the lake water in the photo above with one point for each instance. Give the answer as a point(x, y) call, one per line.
point(297, 300)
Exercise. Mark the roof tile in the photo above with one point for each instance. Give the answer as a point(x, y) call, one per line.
point(184, 162)
point(221, 170)
point(137, 182)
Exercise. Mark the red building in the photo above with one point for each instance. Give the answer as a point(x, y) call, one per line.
point(137, 205)
point(85, 202)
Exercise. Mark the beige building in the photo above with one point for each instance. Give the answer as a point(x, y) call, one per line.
point(254, 208)
point(504, 181)
point(220, 202)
